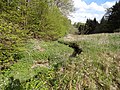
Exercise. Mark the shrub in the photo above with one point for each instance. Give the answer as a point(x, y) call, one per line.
point(10, 41)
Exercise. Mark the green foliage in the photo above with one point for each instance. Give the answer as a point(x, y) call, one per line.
point(73, 30)
point(46, 21)
point(33, 75)
point(114, 19)
point(87, 28)
point(48, 65)
point(22, 19)
point(13, 84)
point(102, 27)
point(41, 19)
point(10, 38)
point(9, 11)
point(91, 25)
point(111, 21)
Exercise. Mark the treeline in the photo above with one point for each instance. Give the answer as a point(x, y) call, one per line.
point(88, 27)
point(23, 19)
point(37, 18)
point(109, 23)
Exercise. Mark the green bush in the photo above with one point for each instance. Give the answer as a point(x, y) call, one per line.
point(11, 38)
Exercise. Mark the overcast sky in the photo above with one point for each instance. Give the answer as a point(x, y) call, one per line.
point(89, 9)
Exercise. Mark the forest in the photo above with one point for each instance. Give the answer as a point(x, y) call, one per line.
point(109, 23)
point(41, 50)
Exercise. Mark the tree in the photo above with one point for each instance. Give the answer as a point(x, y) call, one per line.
point(90, 26)
point(65, 6)
point(42, 18)
point(103, 26)
point(114, 18)
point(110, 21)
point(81, 29)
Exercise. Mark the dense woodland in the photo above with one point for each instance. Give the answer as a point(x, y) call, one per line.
point(109, 23)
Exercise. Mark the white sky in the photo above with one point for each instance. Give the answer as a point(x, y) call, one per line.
point(90, 11)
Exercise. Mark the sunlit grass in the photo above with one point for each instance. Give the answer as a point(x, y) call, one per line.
point(47, 65)
point(99, 61)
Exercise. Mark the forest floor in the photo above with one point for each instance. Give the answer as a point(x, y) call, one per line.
point(97, 67)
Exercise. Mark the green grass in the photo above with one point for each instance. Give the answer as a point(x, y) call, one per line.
point(96, 68)
point(100, 60)
point(39, 51)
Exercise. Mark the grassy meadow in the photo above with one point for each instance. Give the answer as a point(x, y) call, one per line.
point(48, 65)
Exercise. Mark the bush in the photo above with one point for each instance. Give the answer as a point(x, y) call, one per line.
point(10, 41)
